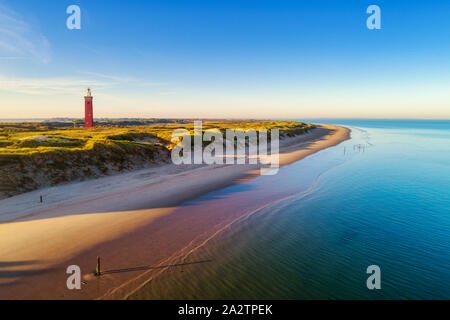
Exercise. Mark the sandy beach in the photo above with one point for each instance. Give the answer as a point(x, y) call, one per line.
point(132, 220)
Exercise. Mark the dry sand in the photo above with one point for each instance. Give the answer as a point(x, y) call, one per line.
point(129, 219)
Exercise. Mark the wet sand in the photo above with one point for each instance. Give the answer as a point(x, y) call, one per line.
point(136, 222)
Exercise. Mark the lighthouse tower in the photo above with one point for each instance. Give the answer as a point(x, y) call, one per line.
point(88, 110)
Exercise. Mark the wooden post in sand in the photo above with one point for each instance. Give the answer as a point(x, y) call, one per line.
point(98, 270)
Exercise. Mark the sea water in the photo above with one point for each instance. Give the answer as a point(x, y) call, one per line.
point(381, 198)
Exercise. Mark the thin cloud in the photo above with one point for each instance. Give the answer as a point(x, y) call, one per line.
point(11, 58)
point(119, 80)
point(66, 85)
point(169, 93)
point(49, 86)
point(152, 84)
point(19, 40)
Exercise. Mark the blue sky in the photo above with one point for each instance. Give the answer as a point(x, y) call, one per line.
point(240, 59)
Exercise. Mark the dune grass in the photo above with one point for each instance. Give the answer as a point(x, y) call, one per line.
point(33, 155)
point(30, 138)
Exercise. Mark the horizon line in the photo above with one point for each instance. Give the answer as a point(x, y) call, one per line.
point(218, 118)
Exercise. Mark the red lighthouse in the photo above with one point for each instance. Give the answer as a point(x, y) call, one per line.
point(88, 110)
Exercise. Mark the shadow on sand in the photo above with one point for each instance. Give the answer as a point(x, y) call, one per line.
point(9, 274)
point(153, 267)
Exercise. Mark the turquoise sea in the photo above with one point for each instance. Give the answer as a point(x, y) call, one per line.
point(381, 198)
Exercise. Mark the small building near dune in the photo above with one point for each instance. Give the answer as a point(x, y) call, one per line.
point(88, 109)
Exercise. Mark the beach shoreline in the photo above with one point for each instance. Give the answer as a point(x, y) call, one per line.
point(135, 213)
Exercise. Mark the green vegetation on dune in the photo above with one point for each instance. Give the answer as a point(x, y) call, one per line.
point(35, 155)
